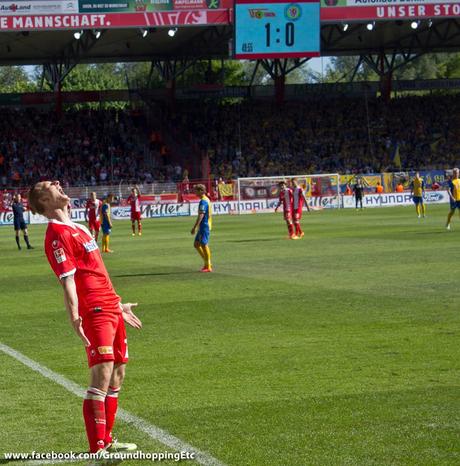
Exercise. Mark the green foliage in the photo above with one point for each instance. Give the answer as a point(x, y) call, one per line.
point(14, 79)
point(340, 69)
point(95, 78)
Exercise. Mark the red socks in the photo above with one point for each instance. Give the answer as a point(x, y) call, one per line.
point(94, 415)
point(111, 405)
point(133, 226)
point(298, 230)
point(290, 229)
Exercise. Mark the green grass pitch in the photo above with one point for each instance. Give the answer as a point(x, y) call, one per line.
point(339, 349)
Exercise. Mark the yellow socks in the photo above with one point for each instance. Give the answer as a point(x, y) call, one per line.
point(207, 256)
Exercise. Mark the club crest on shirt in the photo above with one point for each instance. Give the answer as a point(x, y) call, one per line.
point(59, 255)
point(90, 246)
point(55, 243)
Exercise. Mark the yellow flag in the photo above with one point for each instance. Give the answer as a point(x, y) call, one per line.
point(226, 190)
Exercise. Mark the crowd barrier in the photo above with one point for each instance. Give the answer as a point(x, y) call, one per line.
point(186, 209)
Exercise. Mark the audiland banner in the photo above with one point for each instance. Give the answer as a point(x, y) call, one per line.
point(362, 10)
point(395, 199)
point(37, 7)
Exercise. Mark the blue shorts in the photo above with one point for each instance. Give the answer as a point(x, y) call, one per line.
point(202, 236)
point(19, 225)
point(454, 205)
point(106, 229)
point(417, 199)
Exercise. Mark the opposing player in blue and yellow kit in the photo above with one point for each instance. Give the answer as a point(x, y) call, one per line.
point(203, 224)
point(454, 195)
point(417, 191)
point(106, 223)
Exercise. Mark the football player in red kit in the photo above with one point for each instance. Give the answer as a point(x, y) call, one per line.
point(92, 212)
point(298, 201)
point(135, 201)
point(95, 310)
point(286, 200)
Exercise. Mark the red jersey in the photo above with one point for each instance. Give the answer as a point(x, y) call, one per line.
point(135, 202)
point(92, 208)
point(297, 198)
point(286, 199)
point(71, 250)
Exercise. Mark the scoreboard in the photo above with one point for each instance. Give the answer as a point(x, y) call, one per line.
point(276, 29)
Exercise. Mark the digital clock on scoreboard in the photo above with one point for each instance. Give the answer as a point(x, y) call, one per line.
point(276, 29)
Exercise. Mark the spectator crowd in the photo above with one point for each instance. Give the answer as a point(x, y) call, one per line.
point(345, 135)
point(250, 138)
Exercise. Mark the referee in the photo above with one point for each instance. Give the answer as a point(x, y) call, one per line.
point(19, 222)
point(358, 191)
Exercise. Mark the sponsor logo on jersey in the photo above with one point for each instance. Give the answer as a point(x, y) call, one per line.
point(90, 246)
point(59, 255)
point(105, 349)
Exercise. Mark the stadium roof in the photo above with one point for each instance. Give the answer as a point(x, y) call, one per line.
point(38, 32)
point(38, 47)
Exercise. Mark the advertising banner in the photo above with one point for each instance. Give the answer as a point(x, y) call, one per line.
point(358, 10)
point(6, 218)
point(114, 20)
point(153, 211)
point(395, 199)
point(38, 7)
point(141, 6)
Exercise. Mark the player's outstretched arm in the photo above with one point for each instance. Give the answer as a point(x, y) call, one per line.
point(128, 315)
point(71, 304)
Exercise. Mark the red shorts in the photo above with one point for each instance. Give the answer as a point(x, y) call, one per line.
point(297, 214)
point(107, 334)
point(287, 215)
point(94, 225)
point(135, 216)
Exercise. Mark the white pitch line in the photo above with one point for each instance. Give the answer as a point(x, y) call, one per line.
point(154, 432)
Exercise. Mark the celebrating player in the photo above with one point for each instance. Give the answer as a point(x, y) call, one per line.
point(298, 201)
point(204, 225)
point(18, 220)
point(95, 310)
point(92, 212)
point(454, 195)
point(106, 223)
point(417, 192)
point(286, 199)
point(135, 200)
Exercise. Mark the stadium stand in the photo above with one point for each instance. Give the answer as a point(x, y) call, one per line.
point(346, 135)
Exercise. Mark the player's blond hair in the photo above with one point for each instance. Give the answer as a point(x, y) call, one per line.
point(200, 187)
point(34, 199)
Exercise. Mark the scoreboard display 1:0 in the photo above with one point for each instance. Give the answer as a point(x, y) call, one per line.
point(276, 29)
point(289, 36)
